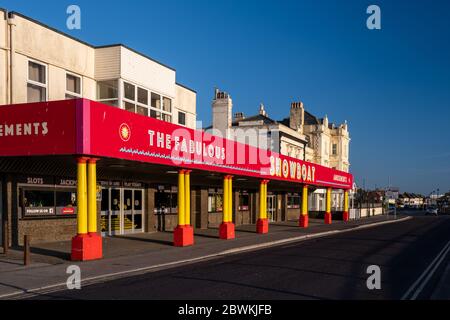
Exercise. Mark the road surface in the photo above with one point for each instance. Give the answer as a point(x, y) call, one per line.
point(334, 267)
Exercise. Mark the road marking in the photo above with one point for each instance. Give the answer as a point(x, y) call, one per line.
point(116, 275)
point(419, 285)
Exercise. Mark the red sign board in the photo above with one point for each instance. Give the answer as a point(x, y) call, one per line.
point(90, 128)
point(38, 129)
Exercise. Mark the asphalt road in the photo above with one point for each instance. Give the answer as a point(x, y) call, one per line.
point(334, 267)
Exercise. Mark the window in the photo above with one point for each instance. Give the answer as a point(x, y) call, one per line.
point(334, 149)
point(244, 201)
point(107, 92)
point(293, 201)
point(73, 86)
point(182, 118)
point(156, 101)
point(135, 99)
point(167, 104)
point(215, 202)
point(36, 82)
point(47, 202)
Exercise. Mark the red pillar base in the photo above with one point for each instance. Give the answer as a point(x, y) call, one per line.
point(183, 236)
point(87, 247)
point(262, 226)
point(226, 230)
point(303, 221)
point(327, 217)
point(345, 216)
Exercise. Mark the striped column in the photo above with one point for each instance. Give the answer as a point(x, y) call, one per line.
point(328, 208)
point(226, 228)
point(262, 224)
point(183, 234)
point(303, 221)
point(345, 215)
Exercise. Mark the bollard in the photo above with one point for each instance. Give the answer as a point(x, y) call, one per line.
point(5, 237)
point(26, 250)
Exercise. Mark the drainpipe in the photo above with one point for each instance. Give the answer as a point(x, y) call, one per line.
point(11, 25)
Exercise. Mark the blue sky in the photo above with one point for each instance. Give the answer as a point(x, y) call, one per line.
point(391, 85)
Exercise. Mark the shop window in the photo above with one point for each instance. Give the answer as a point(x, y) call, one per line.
point(293, 201)
point(244, 200)
point(107, 92)
point(166, 201)
point(73, 86)
point(48, 202)
point(215, 202)
point(36, 82)
point(181, 118)
point(38, 198)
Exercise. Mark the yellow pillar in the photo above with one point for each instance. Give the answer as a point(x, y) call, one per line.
point(225, 200)
point(230, 199)
point(346, 200)
point(92, 196)
point(265, 199)
point(187, 190)
point(82, 217)
point(181, 199)
point(328, 200)
point(305, 201)
point(261, 200)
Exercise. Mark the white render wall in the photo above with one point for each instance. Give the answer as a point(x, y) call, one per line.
point(147, 73)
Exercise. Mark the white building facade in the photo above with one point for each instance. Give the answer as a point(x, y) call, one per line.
point(301, 135)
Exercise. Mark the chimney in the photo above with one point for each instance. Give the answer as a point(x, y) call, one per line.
point(297, 116)
point(222, 106)
point(238, 116)
point(261, 110)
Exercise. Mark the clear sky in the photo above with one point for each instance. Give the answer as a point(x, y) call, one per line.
point(391, 85)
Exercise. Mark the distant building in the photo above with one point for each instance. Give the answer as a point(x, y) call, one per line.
point(300, 135)
point(411, 200)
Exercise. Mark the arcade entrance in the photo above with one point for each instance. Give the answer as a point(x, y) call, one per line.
point(121, 211)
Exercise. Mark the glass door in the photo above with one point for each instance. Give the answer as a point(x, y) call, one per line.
point(271, 208)
point(138, 212)
point(127, 211)
point(116, 201)
point(121, 211)
point(105, 221)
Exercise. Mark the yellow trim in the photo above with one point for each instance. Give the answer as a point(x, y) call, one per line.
point(261, 200)
point(328, 200)
point(187, 190)
point(92, 197)
point(225, 200)
point(265, 200)
point(346, 200)
point(305, 201)
point(81, 198)
point(181, 200)
point(230, 200)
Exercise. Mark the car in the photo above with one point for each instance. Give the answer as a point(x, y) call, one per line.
point(432, 210)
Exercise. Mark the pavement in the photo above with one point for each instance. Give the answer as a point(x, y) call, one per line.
point(149, 252)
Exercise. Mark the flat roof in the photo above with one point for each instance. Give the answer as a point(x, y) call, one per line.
point(11, 13)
